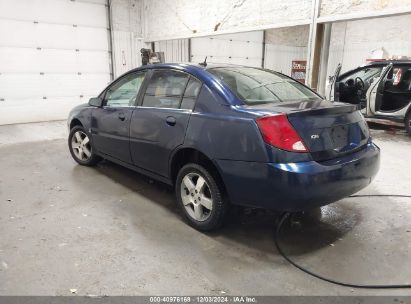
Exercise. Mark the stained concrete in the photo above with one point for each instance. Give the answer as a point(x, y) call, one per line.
point(109, 231)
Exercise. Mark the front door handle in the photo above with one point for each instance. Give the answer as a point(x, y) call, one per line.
point(121, 116)
point(171, 121)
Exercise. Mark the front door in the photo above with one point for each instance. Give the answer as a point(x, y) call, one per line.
point(376, 91)
point(334, 85)
point(110, 125)
point(159, 123)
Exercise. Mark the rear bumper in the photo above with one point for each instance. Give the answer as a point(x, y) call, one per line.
point(299, 186)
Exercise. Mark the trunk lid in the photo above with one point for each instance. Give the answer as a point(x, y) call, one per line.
point(328, 129)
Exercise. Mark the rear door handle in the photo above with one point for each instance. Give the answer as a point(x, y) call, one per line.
point(171, 121)
point(121, 116)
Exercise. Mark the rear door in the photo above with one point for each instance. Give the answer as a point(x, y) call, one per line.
point(334, 85)
point(159, 123)
point(110, 124)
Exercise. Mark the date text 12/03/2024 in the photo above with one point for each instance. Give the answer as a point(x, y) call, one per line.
point(204, 299)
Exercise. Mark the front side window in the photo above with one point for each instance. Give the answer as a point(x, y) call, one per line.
point(124, 92)
point(366, 74)
point(165, 89)
point(256, 86)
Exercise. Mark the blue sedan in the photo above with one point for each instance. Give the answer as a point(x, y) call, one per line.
point(223, 135)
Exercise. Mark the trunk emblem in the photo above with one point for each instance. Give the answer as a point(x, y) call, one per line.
point(315, 136)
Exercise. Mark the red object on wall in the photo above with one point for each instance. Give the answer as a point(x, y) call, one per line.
point(298, 70)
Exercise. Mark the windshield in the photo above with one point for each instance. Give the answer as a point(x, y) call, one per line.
point(256, 86)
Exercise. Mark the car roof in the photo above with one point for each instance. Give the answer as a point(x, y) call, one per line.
point(191, 65)
point(381, 63)
point(211, 65)
point(386, 62)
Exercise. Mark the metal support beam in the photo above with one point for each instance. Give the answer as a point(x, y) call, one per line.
point(110, 39)
point(189, 49)
point(231, 31)
point(263, 55)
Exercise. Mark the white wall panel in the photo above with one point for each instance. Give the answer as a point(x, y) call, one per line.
point(279, 57)
point(174, 50)
point(48, 86)
point(284, 45)
point(28, 34)
point(126, 48)
point(54, 54)
point(29, 60)
point(127, 37)
point(240, 48)
point(43, 110)
point(55, 11)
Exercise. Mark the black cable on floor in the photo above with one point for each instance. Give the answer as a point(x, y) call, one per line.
point(280, 250)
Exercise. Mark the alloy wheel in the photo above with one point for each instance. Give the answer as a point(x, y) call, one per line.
point(80, 144)
point(196, 196)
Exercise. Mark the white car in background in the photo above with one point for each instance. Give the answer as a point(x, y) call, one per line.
point(381, 89)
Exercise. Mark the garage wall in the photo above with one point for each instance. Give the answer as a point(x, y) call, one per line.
point(174, 50)
point(170, 19)
point(127, 34)
point(240, 48)
point(345, 7)
point(284, 45)
point(54, 54)
point(352, 42)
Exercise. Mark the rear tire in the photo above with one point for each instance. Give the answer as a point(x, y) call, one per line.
point(407, 123)
point(80, 147)
point(200, 198)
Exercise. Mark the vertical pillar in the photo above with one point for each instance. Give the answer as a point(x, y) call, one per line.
point(314, 46)
point(110, 40)
point(325, 51)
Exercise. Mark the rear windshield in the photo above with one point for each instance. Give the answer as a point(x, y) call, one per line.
point(256, 86)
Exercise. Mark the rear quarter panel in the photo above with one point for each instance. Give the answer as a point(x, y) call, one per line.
point(221, 132)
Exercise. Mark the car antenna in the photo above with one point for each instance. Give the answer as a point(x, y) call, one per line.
point(204, 64)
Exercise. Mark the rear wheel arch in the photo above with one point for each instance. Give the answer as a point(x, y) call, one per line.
point(190, 155)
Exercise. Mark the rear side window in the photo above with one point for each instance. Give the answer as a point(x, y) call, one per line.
point(191, 93)
point(165, 89)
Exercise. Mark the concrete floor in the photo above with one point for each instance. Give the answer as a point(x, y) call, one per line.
point(109, 231)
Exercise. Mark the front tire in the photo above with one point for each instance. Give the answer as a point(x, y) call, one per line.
point(81, 148)
point(200, 198)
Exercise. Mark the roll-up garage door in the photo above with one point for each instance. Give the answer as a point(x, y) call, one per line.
point(54, 54)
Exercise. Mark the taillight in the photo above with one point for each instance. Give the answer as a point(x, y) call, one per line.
point(278, 132)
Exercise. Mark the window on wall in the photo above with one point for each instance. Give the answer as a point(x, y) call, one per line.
point(124, 92)
point(165, 89)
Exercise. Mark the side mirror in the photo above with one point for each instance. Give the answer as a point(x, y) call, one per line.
point(96, 102)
